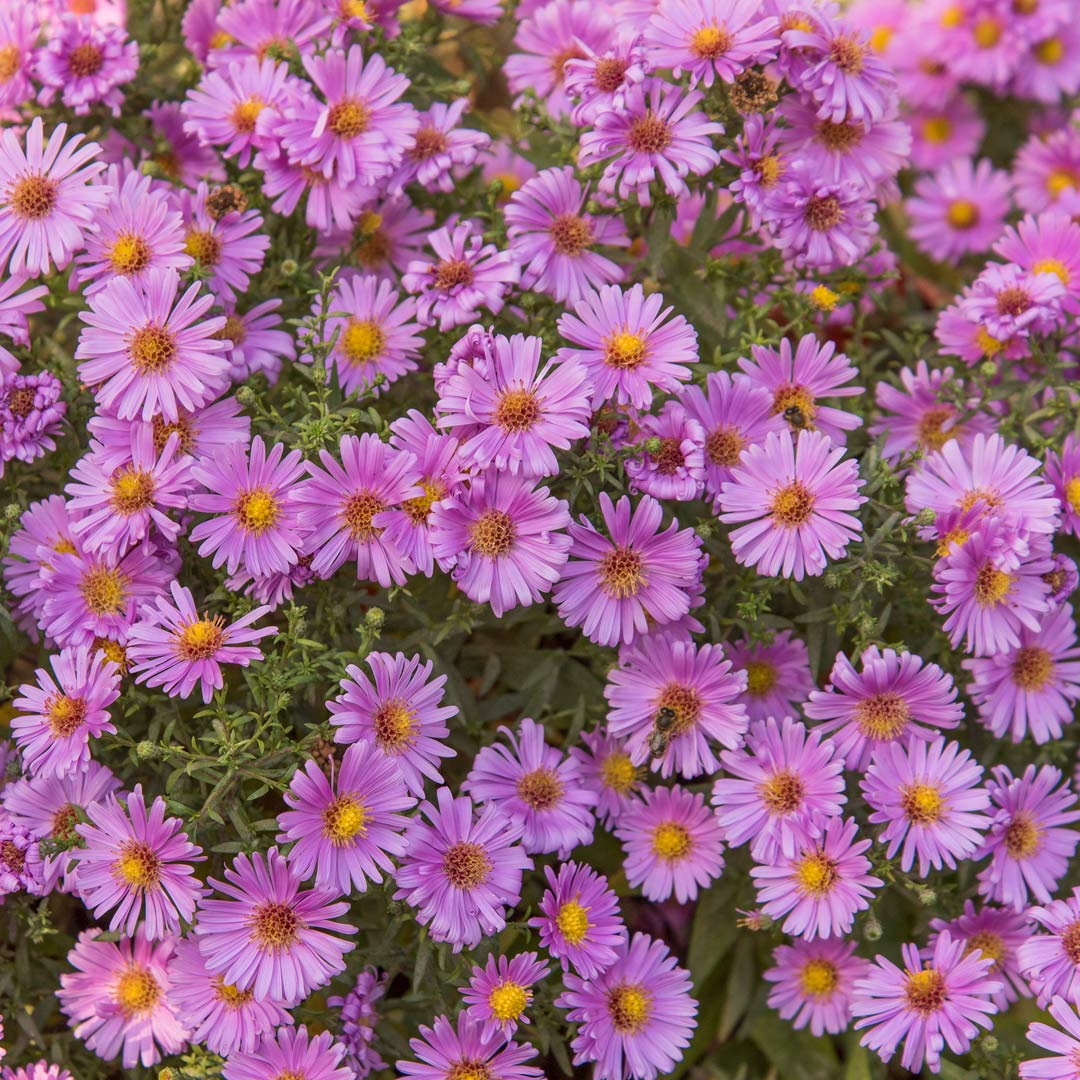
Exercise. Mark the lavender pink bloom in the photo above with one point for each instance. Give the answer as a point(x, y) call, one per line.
point(813, 983)
point(500, 992)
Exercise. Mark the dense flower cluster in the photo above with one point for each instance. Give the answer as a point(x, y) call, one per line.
point(488, 380)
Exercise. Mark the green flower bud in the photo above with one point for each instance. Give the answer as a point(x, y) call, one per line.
point(289, 267)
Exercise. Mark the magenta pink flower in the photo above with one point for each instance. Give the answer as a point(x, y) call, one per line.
point(499, 992)
point(777, 674)
point(813, 983)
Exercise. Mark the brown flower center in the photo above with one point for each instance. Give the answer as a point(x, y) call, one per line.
point(922, 803)
point(516, 410)
point(608, 75)
point(823, 212)
point(926, 991)
point(138, 866)
point(257, 510)
point(21, 401)
point(466, 865)
point(359, 513)
point(1032, 667)
point(1013, 301)
point(792, 505)
point(245, 114)
point(685, 702)
point(152, 350)
point(33, 197)
point(104, 590)
point(621, 573)
point(630, 1006)
point(492, 534)
point(847, 54)
point(669, 458)
point(204, 247)
point(571, 234)
point(991, 585)
point(649, 134)
point(931, 430)
point(840, 138)
point(882, 716)
point(429, 142)
point(783, 792)
point(275, 926)
point(540, 789)
point(201, 639)
point(347, 119)
point(85, 60)
point(393, 724)
point(452, 273)
point(1022, 836)
point(183, 427)
point(724, 446)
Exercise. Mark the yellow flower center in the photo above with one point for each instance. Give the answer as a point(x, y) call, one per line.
point(792, 505)
point(257, 510)
point(137, 992)
point(671, 841)
point(1050, 52)
point(816, 874)
point(33, 197)
point(344, 819)
point(1032, 667)
point(1061, 180)
point(818, 978)
point(936, 129)
point(363, 341)
point(138, 865)
point(540, 789)
point(152, 350)
point(1072, 492)
point(710, 42)
point(508, 1001)
point(573, 922)
point(393, 724)
point(926, 991)
point(991, 585)
point(620, 572)
point(132, 490)
point(922, 804)
point(129, 254)
point(962, 214)
point(880, 37)
point(625, 351)
point(823, 298)
point(201, 639)
point(466, 865)
point(359, 515)
point(274, 926)
point(516, 410)
point(203, 246)
point(492, 534)
point(347, 119)
point(882, 716)
point(619, 772)
point(233, 998)
point(986, 32)
point(629, 1006)
point(993, 948)
point(1022, 837)
point(761, 677)
point(245, 114)
point(104, 590)
point(10, 62)
point(783, 792)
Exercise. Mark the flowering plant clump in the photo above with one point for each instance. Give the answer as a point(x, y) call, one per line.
point(539, 538)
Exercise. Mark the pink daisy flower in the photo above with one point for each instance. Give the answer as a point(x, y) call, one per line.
point(821, 886)
point(710, 39)
point(580, 923)
point(399, 713)
point(358, 1019)
point(56, 718)
point(384, 238)
point(599, 80)
point(502, 541)
point(376, 333)
point(31, 414)
point(255, 344)
point(676, 468)
point(1046, 172)
point(670, 700)
point(116, 999)
point(341, 507)
point(346, 828)
point(944, 130)
point(636, 1018)
point(465, 276)
point(1049, 243)
point(798, 380)
point(118, 508)
point(813, 983)
point(937, 1000)
point(734, 414)
point(1029, 844)
point(136, 863)
point(1063, 473)
point(146, 352)
point(660, 135)
point(796, 500)
point(896, 697)
point(607, 769)
point(441, 150)
point(619, 586)
point(777, 674)
point(534, 783)
point(672, 844)
point(997, 934)
point(1064, 1045)
point(253, 499)
point(20, 28)
point(781, 790)
point(256, 27)
point(555, 238)
point(1049, 960)
point(47, 203)
point(524, 411)
point(629, 346)
point(85, 63)
point(288, 1051)
point(927, 795)
point(1009, 302)
point(447, 1051)
point(1033, 687)
point(499, 993)
point(171, 646)
point(463, 870)
point(268, 934)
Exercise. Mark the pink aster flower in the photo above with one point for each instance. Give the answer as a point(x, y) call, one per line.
point(40, 1070)
point(629, 346)
point(1063, 473)
point(399, 713)
point(710, 39)
point(1033, 687)
point(997, 933)
point(523, 410)
point(462, 871)
point(236, 107)
point(442, 151)
point(31, 414)
point(136, 863)
point(329, 205)
point(1049, 959)
point(614, 586)
point(777, 674)
point(253, 500)
point(173, 647)
point(781, 789)
point(991, 587)
point(944, 130)
point(686, 694)
point(20, 28)
point(116, 999)
point(1049, 243)
point(346, 827)
point(359, 133)
point(928, 797)
point(137, 230)
point(85, 64)
point(636, 1018)
point(896, 697)
point(358, 1019)
point(465, 275)
point(92, 597)
point(270, 935)
point(599, 80)
point(290, 1051)
point(960, 209)
point(1046, 172)
point(580, 923)
point(255, 27)
point(341, 507)
point(546, 40)
point(447, 1051)
point(383, 239)
point(1064, 1045)
point(22, 866)
point(676, 468)
point(798, 380)
point(502, 541)
point(47, 203)
point(146, 352)
point(254, 342)
point(117, 508)
point(939, 999)
point(16, 303)
point(182, 157)
point(672, 844)
point(1029, 844)
point(661, 134)
point(555, 238)
point(606, 768)
point(1008, 302)
point(57, 717)
point(813, 983)
point(215, 1013)
point(796, 500)
point(534, 783)
point(821, 886)
point(734, 414)
point(499, 993)
point(377, 332)
point(227, 248)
